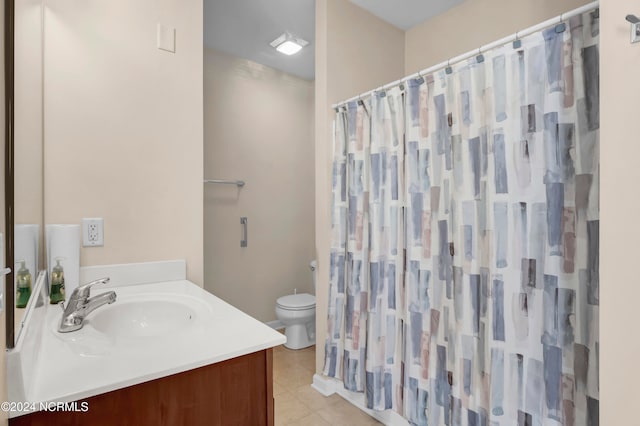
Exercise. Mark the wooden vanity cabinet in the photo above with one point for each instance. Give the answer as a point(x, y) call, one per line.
point(238, 391)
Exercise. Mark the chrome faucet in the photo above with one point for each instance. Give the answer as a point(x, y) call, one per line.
point(80, 305)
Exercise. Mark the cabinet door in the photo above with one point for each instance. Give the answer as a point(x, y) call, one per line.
point(234, 392)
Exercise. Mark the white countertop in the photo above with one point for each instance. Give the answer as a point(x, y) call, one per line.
point(84, 363)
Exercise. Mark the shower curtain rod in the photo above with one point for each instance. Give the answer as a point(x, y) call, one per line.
point(518, 35)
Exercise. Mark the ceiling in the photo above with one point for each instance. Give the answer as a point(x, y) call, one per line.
point(244, 28)
point(404, 14)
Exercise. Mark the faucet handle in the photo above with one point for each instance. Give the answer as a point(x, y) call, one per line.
point(85, 290)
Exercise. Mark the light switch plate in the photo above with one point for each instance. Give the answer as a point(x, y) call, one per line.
point(635, 32)
point(166, 38)
point(93, 232)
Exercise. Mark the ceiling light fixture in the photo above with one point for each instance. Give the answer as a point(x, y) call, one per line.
point(288, 44)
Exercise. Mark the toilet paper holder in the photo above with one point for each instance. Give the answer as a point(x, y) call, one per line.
point(635, 27)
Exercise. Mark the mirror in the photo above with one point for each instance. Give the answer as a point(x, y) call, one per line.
point(27, 167)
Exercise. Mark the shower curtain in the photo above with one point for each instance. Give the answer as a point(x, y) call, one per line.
point(464, 283)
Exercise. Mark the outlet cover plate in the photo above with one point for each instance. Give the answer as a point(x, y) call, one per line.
point(93, 232)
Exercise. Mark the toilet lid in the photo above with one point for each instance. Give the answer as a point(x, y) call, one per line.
point(297, 301)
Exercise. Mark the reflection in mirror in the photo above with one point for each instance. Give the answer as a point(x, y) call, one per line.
point(28, 153)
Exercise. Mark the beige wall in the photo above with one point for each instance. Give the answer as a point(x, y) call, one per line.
point(619, 206)
point(123, 127)
point(355, 52)
point(258, 128)
point(475, 23)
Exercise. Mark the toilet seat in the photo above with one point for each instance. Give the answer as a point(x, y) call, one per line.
point(297, 302)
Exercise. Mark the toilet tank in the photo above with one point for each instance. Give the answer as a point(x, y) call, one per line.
point(313, 265)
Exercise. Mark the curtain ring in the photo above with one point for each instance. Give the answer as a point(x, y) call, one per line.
point(561, 26)
point(448, 69)
point(517, 43)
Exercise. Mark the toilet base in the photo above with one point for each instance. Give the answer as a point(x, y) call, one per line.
point(300, 336)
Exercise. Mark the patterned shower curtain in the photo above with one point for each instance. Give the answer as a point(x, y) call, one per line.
point(464, 284)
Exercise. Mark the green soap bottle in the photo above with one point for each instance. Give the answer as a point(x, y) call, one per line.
point(56, 295)
point(23, 285)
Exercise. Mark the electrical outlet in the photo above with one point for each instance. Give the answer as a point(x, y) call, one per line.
point(93, 232)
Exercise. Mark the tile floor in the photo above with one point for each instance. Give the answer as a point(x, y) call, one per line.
point(296, 403)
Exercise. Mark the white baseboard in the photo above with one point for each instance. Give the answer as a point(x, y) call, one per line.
point(328, 386)
point(276, 325)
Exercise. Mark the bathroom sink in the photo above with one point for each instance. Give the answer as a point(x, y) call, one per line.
point(151, 331)
point(153, 316)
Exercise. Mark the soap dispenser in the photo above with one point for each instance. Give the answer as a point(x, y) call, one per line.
point(56, 295)
point(23, 285)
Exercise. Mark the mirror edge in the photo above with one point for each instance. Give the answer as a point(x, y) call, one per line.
point(9, 20)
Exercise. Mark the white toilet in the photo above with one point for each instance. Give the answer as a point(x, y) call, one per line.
point(298, 314)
